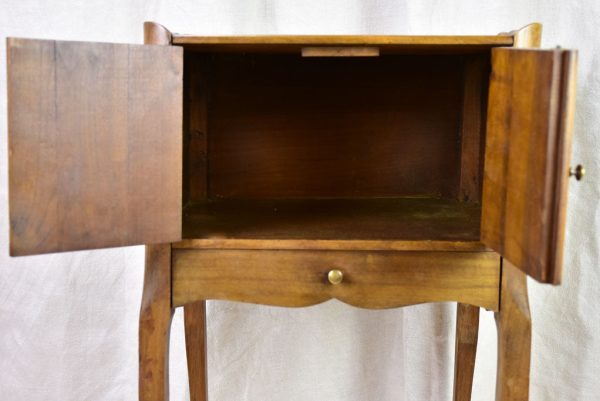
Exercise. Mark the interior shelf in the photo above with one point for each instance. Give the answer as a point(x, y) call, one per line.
point(381, 219)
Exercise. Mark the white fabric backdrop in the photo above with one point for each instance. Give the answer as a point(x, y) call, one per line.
point(68, 323)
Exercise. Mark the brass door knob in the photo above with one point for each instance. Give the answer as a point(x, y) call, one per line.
point(577, 172)
point(335, 276)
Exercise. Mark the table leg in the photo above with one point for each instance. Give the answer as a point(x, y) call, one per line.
point(467, 329)
point(514, 336)
point(195, 344)
point(155, 325)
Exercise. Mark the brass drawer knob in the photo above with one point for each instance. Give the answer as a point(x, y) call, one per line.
point(578, 172)
point(335, 276)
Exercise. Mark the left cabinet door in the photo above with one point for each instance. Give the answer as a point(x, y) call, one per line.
point(95, 144)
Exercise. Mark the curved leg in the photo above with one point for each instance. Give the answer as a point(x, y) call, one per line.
point(155, 325)
point(467, 329)
point(195, 344)
point(514, 336)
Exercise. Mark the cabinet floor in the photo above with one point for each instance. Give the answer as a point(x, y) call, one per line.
point(394, 219)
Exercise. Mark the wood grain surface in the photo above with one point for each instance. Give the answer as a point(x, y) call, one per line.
point(156, 310)
point(514, 336)
point(386, 44)
point(156, 34)
point(371, 279)
point(155, 325)
point(340, 51)
point(195, 345)
point(472, 127)
point(195, 128)
point(407, 219)
point(529, 36)
point(527, 156)
point(333, 245)
point(467, 331)
point(94, 145)
point(280, 126)
point(513, 320)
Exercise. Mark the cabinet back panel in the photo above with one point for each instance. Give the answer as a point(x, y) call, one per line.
point(282, 126)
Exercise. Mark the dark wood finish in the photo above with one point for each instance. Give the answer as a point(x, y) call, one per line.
point(195, 345)
point(408, 219)
point(371, 279)
point(527, 156)
point(467, 330)
point(472, 129)
point(155, 325)
point(195, 158)
point(92, 136)
point(288, 127)
point(514, 336)
point(386, 44)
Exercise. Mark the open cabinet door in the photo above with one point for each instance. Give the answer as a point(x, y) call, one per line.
point(95, 145)
point(527, 153)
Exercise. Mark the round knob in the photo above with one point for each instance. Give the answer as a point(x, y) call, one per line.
point(578, 172)
point(335, 276)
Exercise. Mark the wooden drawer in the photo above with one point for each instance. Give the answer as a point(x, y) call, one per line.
point(370, 279)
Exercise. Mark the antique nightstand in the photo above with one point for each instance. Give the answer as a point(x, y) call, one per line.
point(383, 171)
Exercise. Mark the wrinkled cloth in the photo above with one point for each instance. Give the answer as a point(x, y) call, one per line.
point(68, 322)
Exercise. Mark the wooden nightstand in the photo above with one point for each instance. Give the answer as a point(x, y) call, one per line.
point(383, 171)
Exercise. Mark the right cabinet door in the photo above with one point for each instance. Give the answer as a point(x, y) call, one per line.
point(527, 154)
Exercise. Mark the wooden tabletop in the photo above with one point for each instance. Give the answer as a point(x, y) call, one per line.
point(294, 43)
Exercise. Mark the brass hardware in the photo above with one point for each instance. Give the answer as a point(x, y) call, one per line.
point(335, 276)
point(578, 172)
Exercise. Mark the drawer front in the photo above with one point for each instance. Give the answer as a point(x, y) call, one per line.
point(363, 279)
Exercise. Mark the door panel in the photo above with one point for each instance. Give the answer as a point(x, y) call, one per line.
point(94, 145)
point(530, 115)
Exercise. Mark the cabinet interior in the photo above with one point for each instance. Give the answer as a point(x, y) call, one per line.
point(279, 146)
